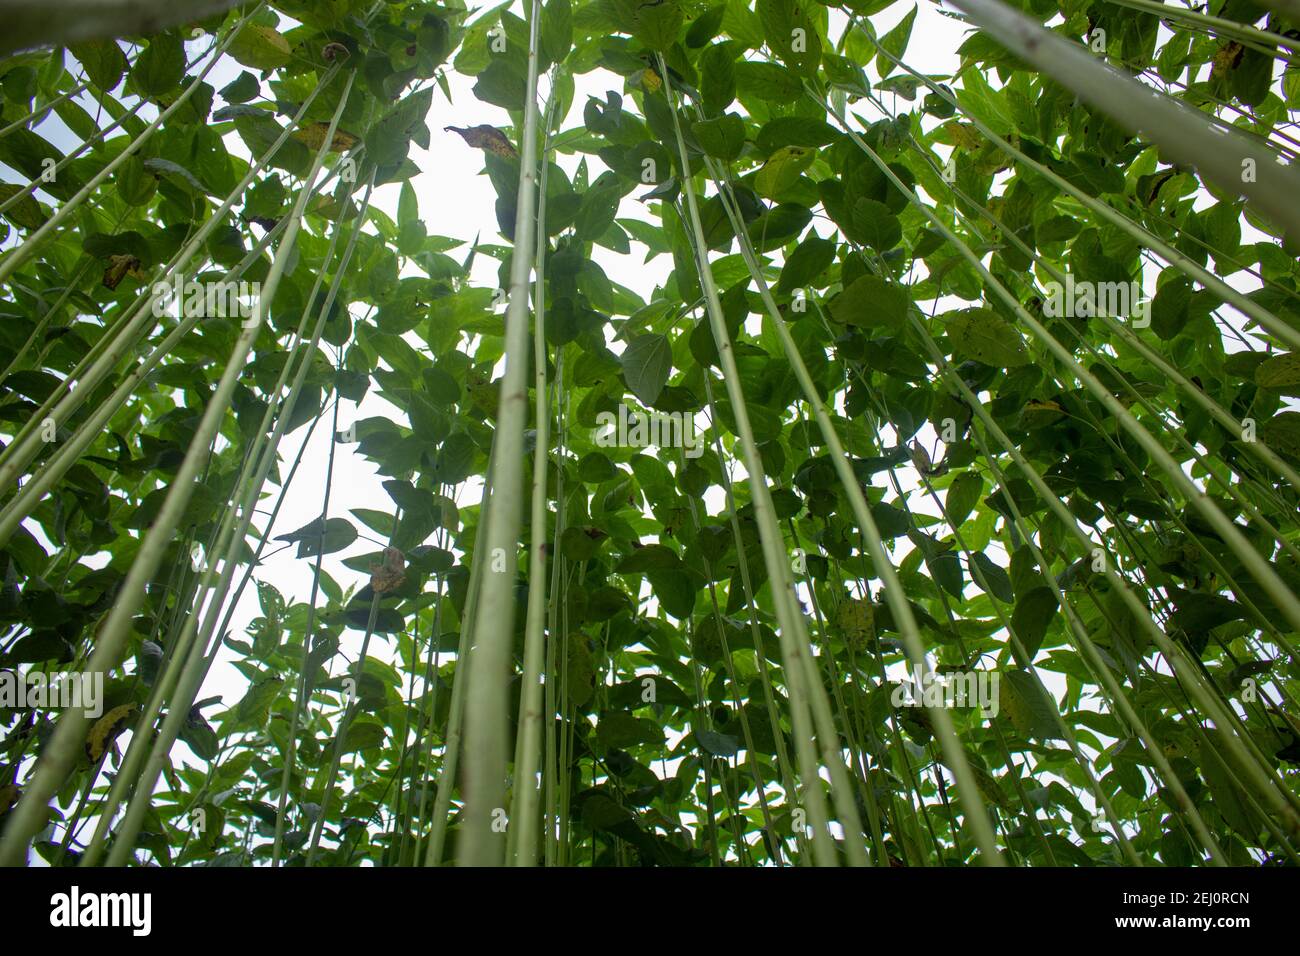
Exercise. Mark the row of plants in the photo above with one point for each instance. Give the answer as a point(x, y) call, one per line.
point(905, 450)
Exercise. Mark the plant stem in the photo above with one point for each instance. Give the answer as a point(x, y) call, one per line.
point(486, 707)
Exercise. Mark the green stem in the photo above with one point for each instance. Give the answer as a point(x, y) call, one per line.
point(524, 832)
point(58, 758)
point(486, 708)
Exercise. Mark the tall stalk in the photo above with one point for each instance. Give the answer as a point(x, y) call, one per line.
point(792, 629)
point(523, 835)
point(482, 844)
point(893, 591)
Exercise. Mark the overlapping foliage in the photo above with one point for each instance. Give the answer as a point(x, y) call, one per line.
point(910, 458)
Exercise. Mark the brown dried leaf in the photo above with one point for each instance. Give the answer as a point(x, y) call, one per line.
point(487, 138)
point(119, 267)
point(1226, 59)
point(391, 575)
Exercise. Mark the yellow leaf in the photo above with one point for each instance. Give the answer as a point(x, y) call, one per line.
point(857, 621)
point(782, 170)
point(312, 136)
point(1227, 59)
point(106, 730)
point(1038, 414)
point(961, 135)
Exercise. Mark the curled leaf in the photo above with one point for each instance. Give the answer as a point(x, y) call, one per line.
point(106, 730)
point(119, 267)
point(487, 138)
point(390, 575)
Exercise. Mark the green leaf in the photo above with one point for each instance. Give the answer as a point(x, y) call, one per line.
point(1197, 612)
point(1023, 701)
point(26, 213)
point(317, 538)
point(1171, 307)
point(261, 47)
point(844, 74)
point(986, 337)
point(251, 711)
point(767, 81)
point(647, 362)
point(716, 744)
point(653, 557)
point(810, 259)
point(879, 227)
point(502, 84)
point(408, 208)
point(945, 569)
point(1282, 434)
point(599, 812)
point(718, 77)
point(790, 34)
point(365, 733)
point(871, 302)
point(104, 61)
point(794, 131)
point(706, 26)
point(963, 494)
point(241, 89)
point(782, 170)
point(1280, 372)
point(1224, 783)
point(200, 736)
point(159, 68)
point(675, 590)
point(621, 731)
point(996, 581)
point(175, 172)
point(557, 30)
point(722, 138)
point(895, 41)
point(379, 521)
point(657, 25)
point(1034, 612)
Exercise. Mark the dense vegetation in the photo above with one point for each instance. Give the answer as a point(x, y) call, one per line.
point(924, 443)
